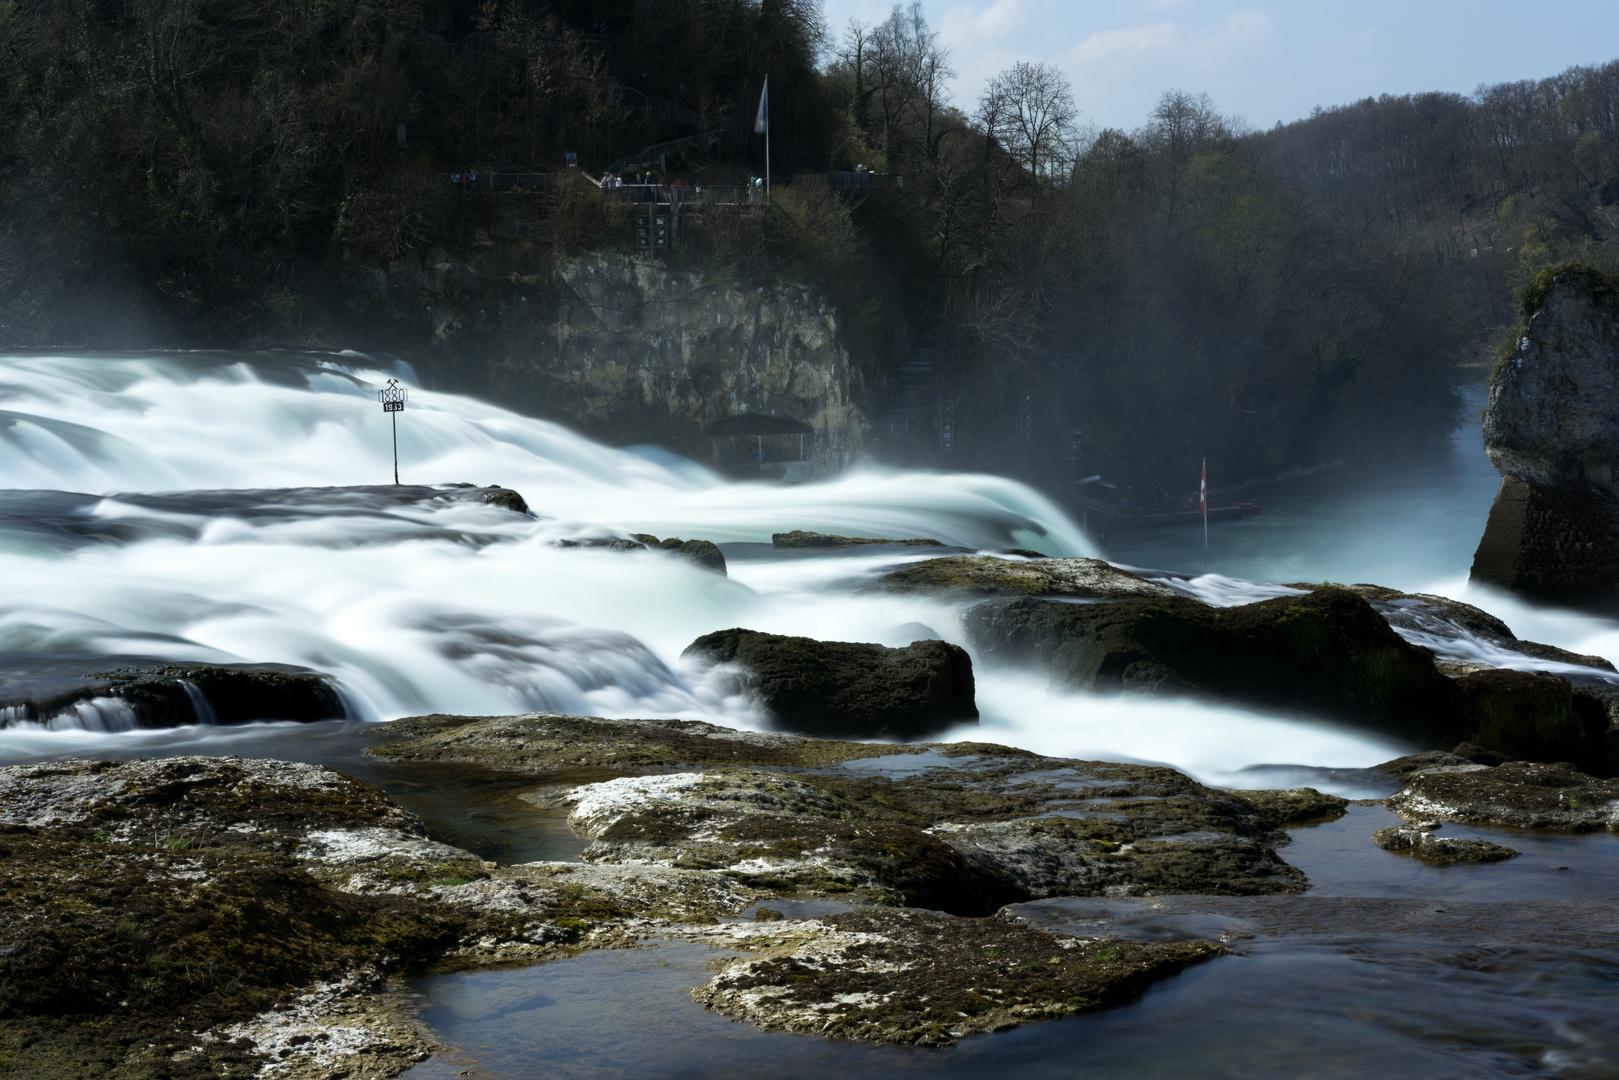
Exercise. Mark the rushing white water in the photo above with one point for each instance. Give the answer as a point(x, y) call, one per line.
point(148, 516)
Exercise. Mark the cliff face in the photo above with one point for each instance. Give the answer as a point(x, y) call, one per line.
point(1552, 429)
point(631, 350)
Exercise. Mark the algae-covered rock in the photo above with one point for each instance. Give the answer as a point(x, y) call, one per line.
point(798, 538)
point(840, 689)
point(1528, 716)
point(776, 831)
point(547, 742)
point(505, 498)
point(1326, 652)
point(918, 978)
point(1441, 849)
point(1521, 794)
point(983, 575)
point(704, 553)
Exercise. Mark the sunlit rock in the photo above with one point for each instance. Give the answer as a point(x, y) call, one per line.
point(926, 979)
point(798, 538)
point(982, 575)
point(1521, 794)
point(1412, 840)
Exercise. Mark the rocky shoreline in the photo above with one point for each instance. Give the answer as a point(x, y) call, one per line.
point(216, 916)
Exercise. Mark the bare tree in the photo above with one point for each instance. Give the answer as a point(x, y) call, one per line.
point(898, 68)
point(1029, 111)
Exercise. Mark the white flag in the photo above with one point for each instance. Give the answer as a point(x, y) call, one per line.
point(761, 123)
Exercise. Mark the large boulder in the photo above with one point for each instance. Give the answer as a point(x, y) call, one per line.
point(836, 689)
point(1326, 652)
point(1552, 428)
point(1532, 716)
point(173, 695)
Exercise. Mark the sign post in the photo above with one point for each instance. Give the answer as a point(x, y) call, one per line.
point(393, 401)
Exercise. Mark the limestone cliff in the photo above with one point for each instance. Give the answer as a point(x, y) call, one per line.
point(1552, 429)
point(633, 350)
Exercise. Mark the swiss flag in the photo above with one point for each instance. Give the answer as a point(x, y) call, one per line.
point(1203, 490)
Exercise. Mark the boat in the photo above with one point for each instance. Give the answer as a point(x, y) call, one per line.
point(1122, 509)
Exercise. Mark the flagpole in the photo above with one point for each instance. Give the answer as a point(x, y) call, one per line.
point(1203, 499)
point(767, 143)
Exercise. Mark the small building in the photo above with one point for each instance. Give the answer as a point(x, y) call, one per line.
point(762, 444)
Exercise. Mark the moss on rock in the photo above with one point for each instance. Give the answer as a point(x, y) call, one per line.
point(923, 979)
point(982, 575)
point(839, 689)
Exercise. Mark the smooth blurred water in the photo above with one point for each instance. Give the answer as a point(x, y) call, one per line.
point(182, 506)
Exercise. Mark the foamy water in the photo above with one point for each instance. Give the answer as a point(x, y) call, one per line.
point(448, 605)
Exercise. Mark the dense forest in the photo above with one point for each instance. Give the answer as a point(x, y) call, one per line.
point(1123, 302)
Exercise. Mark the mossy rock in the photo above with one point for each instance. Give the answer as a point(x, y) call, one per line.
point(1528, 716)
point(918, 978)
point(505, 498)
point(704, 553)
point(798, 538)
point(983, 575)
point(842, 689)
point(1327, 652)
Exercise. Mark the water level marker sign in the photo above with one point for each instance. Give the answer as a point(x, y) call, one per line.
point(393, 397)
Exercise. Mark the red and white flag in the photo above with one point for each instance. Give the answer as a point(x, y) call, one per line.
point(1203, 490)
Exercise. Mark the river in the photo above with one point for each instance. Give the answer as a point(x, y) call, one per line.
point(178, 506)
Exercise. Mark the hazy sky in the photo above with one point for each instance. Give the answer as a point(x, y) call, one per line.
point(1265, 62)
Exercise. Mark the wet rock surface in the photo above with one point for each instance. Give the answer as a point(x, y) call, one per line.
point(1429, 616)
point(1422, 843)
point(925, 979)
point(1327, 652)
point(798, 538)
point(172, 695)
point(1522, 794)
point(196, 917)
point(842, 689)
point(982, 575)
point(955, 827)
point(704, 553)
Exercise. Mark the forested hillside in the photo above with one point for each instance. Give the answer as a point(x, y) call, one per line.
point(1123, 302)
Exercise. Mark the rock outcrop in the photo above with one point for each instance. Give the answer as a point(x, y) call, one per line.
point(983, 575)
point(914, 977)
point(844, 689)
point(1326, 652)
point(1552, 430)
point(704, 553)
point(1520, 794)
point(798, 538)
point(1411, 840)
point(173, 695)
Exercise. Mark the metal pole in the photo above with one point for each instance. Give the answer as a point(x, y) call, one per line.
point(767, 159)
point(395, 417)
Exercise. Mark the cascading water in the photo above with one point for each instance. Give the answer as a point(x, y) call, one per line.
point(179, 507)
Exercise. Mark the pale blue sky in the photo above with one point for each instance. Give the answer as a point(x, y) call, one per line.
point(1264, 62)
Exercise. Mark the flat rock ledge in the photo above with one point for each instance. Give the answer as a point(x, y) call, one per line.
point(1442, 849)
point(919, 978)
point(955, 827)
point(799, 538)
point(1521, 794)
point(983, 575)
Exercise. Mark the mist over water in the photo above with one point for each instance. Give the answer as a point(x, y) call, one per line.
point(176, 506)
